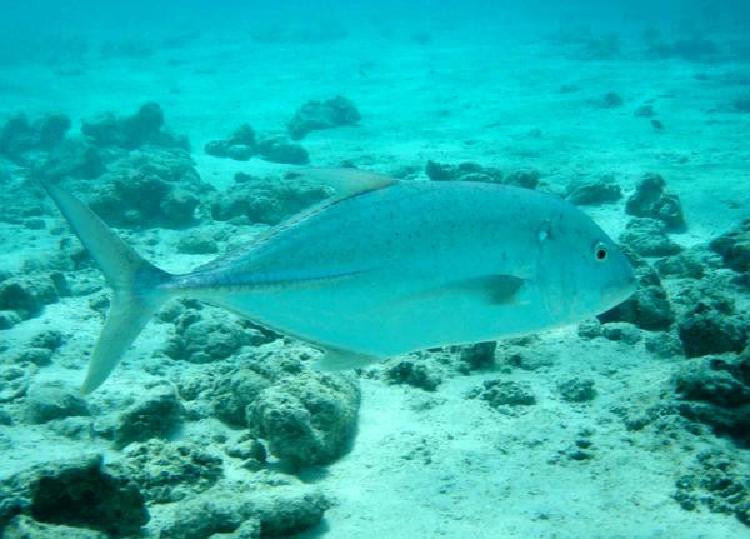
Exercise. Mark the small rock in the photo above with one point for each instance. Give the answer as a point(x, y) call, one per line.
point(649, 307)
point(156, 415)
point(201, 518)
point(35, 224)
point(576, 390)
point(504, 393)
point(27, 295)
point(527, 178)
point(590, 329)
point(247, 447)
point(8, 319)
point(279, 511)
point(209, 335)
point(37, 356)
point(53, 401)
point(664, 345)
point(50, 339)
point(648, 237)
point(415, 372)
point(240, 146)
point(681, 266)
point(621, 331)
point(153, 187)
point(277, 150)
point(316, 115)
point(80, 493)
point(601, 191)
point(706, 330)
point(75, 428)
point(145, 127)
point(234, 392)
point(644, 111)
point(478, 356)
point(265, 200)
point(714, 380)
point(197, 242)
point(14, 382)
point(462, 172)
point(19, 136)
point(169, 472)
point(525, 358)
point(307, 419)
point(734, 247)
point(611, 100)
point(651, 200)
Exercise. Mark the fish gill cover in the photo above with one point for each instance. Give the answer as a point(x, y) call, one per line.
point(374, 185)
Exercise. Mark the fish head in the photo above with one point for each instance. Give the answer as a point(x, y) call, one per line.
point(582, 270)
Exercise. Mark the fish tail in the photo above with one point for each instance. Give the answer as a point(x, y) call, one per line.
point(137, 285)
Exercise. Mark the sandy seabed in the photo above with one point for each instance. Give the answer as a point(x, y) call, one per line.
point(434, 463)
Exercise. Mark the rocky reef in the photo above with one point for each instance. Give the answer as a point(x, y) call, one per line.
point(220, 428)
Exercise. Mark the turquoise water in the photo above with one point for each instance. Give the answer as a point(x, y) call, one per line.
point(184, 127)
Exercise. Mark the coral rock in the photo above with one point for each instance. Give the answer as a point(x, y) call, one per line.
point(145, 127)
point(80, 493)
point(27, 295)
point(307, 419)
point(734, 247)
point(277, 150)
point(53, 401)
point(316, 115)
point(601, 191)
point(168, 472)
point(651, 200)
point(157, 415)
point(648, 237)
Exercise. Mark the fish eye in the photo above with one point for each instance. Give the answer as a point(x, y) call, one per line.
point(600, 252)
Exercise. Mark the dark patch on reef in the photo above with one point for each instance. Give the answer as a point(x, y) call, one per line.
point(81, 493)
point(718, 483)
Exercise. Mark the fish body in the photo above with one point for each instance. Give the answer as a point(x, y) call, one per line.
point(393, 267)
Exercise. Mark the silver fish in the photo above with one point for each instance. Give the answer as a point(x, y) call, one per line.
point(384, 268)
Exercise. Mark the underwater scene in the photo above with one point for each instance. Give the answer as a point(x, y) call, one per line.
point(375, 269)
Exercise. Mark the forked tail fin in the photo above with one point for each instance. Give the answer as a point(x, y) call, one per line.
point(134, 281)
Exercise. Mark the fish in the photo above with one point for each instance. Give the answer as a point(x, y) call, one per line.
point(384, 267)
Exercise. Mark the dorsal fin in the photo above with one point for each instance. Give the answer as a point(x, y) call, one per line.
point(345, 182)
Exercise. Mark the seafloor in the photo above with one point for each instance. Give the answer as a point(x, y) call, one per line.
point(633, 426)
